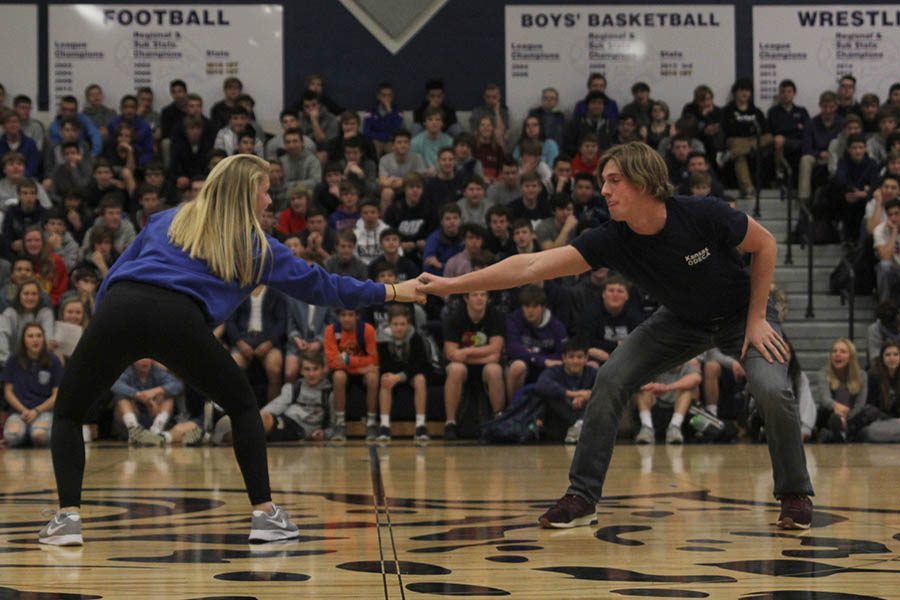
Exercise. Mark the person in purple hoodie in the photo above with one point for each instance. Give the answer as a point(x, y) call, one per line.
point(534, 339)
point(189, 268)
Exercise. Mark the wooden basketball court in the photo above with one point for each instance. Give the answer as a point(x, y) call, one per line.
point(400, 521)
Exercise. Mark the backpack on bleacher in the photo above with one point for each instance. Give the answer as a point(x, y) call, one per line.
point(521, 423)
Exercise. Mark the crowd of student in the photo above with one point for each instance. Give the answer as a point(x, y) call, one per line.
point(370, 197)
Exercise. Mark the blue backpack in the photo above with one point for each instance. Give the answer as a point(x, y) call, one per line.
point(520, 423)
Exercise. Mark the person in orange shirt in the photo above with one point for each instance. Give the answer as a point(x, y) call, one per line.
point(352, 356)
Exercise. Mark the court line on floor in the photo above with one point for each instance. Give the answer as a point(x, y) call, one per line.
point(380, 501)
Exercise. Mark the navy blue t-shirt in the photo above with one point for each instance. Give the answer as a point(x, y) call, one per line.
point(692, 266)
point(32, 386)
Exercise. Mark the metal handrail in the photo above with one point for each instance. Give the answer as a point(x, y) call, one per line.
point(787, 195)
point(848, 295)
point(808, 242)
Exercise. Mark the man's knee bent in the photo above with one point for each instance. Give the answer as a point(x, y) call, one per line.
point(457, 371)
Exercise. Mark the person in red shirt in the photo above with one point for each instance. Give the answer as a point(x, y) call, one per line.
point(49, 268)
point(587, 159)
point(293, 218)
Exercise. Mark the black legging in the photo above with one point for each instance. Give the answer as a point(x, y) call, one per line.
point(135, 321)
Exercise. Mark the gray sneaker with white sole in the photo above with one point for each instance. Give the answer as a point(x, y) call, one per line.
point(265, 527)
point(64, 529)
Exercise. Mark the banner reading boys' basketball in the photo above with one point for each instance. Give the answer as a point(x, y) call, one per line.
point(815, 44)
point(126, 46)
point(18, 47)
point(671, 48)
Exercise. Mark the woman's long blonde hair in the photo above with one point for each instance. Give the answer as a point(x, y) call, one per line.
point(220, 225)
point(852, 380)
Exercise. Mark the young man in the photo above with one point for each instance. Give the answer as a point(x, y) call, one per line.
point(447, 184)
point(473, 344)
point(395, 165)
point(30, 127)
point(697, 163)
point(316, 121)
point(852, 184)
point(429, 142)
point(606, 324)
point(110, 216)
point(173, 113)
point(532, 204)
point(473, 205)
point(347, 213)
point(460, 263)
point(344, 260)
point(551, 115)
point(534, 339)
point(144, 397)
point(640, 104)
point(434, 98)
point(788, 123)
point(846, 96)
point(352, 355)
point(888, 251)
point(404, 267)
point(68, 107)
point(96, 111)
point(499, 238)
point(822, 128)
point(877, 146)
point(384, 120)
point(318, 238)
point(275, 146)
point(19, 217)
point(14, 140)
point(673, 390)
point(402, 360)
point(300, 165)
point(305, 408)
point(506, 187)
point(686, 254)
point(443, 242)
point(143, 134)
point(566, 387)
point(559, 229)
point(368, 231)
point(592, 121)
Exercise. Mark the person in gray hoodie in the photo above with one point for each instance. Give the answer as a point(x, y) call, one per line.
point(300, 165)
point(305, 408)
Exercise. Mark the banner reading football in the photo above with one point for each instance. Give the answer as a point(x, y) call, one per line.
point(671, 48)
point(19, 49)
point(815, 44)
point(126, 46)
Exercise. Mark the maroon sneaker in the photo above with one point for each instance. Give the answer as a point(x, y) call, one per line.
point(796, 512)
point(569, 511)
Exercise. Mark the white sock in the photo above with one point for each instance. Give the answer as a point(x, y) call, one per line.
point(677, 420)
point(713, 409)
point(159, 422)
point(168, 436)
point(420, 420)
point(385, 420)
point(371, 419)
point(130, 420)
point(450, 422)
point(86, 433)
point(339, 417)
point(646, 419)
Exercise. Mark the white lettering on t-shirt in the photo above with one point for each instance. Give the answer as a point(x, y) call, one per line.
point(697, 257)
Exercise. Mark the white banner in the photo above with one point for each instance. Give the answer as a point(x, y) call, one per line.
point(815, 44)
point(19, 49)
point(671, 48)
point(126, 46)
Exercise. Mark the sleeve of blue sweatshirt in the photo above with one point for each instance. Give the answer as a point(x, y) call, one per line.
point(123, 386)
point(168, 382)
point(314, 285)
point(91, 132)
point(548, 387)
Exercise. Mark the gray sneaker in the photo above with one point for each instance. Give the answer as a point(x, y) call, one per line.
point(340, 433)
point(138, 436)
point(222, 428)
point(64, 529)
point(674, 435)
point(645, 436)
point(194, 437)
point(272, 527)
point(574, 433)
point(371, 433)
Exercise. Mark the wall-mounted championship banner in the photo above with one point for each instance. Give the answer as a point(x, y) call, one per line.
point(815, 44)
point(126, 46)
point(19, 49)
point(671, 48)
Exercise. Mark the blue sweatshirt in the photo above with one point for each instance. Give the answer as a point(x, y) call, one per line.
point(554, 382)
point(152, 258)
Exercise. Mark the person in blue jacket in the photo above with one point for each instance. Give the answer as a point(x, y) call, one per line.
point(189, 268)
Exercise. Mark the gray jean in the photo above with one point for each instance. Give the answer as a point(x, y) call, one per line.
point(660, 343)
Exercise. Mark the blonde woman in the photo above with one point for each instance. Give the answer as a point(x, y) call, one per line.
point(844, 394)
point(189, 269)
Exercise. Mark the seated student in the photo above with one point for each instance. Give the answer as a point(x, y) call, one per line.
point(21, 270)
point(593, 121)
point(856, 177)
point(301, 166)
point(626, 130)
point(659, 127)
point(395, 165)
point(444, 242)
point(121, 152)
point(473, 347)
point(677, 159)
point(292, 219)
point(344, 260)
point(144, 400)
point(104, 184)
point(745, 127)
point(697, 163)
point(447, 183)
point(24, 309)
point(188, 153)
point(368, 231)
point(256, 331)
point(487, 149)
point(531, 162)
point(842, 392)
point(352, 355)
point(561, 181)
point(716, 366)
point(318, 238)
point(466, 163)
point(19, 217)
point(274, 148)
point(70, 131)
point(460, 263)
point(673, 390)
point(589, 207)
point(306, 323)
point(14, 139)
point(884, 193)
point(13, 175)
point(384, 120)
point(71, 311)
point(84, 278)
point(327, 193)
point(31, 379)
point(100, 252)
point(523, 237)
point(878, 145)
point(553, 120)
point(566, 387)
point(228, 136)
point(609, 322)
point(473, 205)
point(534, 339)
point(110, 217)
point(403, 360)
point(150, 203)
point(376, 315)
point(559, 229)
point(350, 133)
point(246, 142)
point(700, 185)
point(431, 139)
point(880, 420)
point(885, 328)
point(434, 98)
point(532, 204)
point(347, 214)
point(505, 188)
point(411, 217)
point(73, 172)
point(49, 269)
point(851, 126)
point(499, 240)
point(391, 255)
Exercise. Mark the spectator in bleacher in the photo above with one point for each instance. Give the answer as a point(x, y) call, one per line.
point(697, 163)
point(640, 105)
point(561, 180)
point(869, 106)
point(583, 296)
point(465, 161)
point(531, 162)
point(686, 126)
point(150, 203)
point(110, 215)
point(593, 121)
point(304, 410)
point(533, 130)
point(499, 240)
point(745, 129)
point(473, 205)
point(673, 390)
point(885, 328)
point(718, 366)
point(174, 113)
point(350, 130)
point(380, 123)
point(368, 230)
point(22, 269)
point(19, 217)
point(317, 122)
point(851, 126)
point(856, 177)
point(607, 323)
point(246, 102)
point(395, 165)
point(31, 380)
point(220, 112)
point(558, 229)
point(85, 277)
point(25, 308)
point(552, 118)
point(13, 139)
point(359, 168)
point(347, 213)
point(315, 83)
point(505, 188)
point(227, 136)
point(589, 206)
point(143, 134)
point(73, 172)
point(659, 127)
point(257, 330)
point(534, 339)
point(843, 392)
point(473, 346)
point(487, 150)
point(532, 204)
point(494, 109)
point(193, 108)
point(677, 159)
point(788, 123)
point(188, 153)
point(318, 238)
point(344, 260)
point(393, 255)
point(31, 127)
point(403, 360)
point(893, 99)
point(49, 269)
point(877, 145)
point(709, 119)
point(887, 191)
point(587, 159)
point(292, 219)
point(146, 111)
point(278, 191)
point(626, 130)
point(13, 175)
point(566, 387)
point(411, 216)
point(275, 146)
point(446, 185)
point(434, 98)
point(69, 131)
point(68, 107)
point(120, 151)
point(144, 400)
point(473, 235)
point(99, 114)
point(880, 419)
point(431, 140)
point(100, 251)
point(887, 248)
point(352, 355)
point(445, 241)
point(71, 311)
point(301, 166)
point(822, 128)
point(597, 83)
point(106, 185)
point(846, 96)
